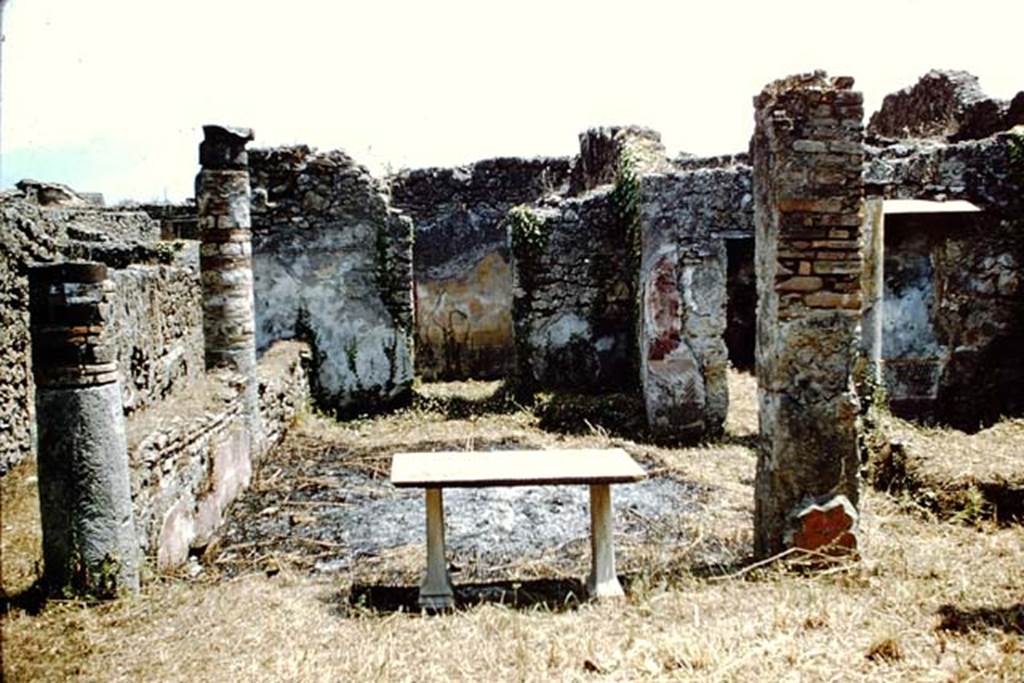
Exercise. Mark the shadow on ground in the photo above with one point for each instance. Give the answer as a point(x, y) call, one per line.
point(554, 595)
point(1009, 619)
point(30, 600)
point(484, 398)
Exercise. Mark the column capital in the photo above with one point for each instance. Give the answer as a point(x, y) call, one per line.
point(223, 147)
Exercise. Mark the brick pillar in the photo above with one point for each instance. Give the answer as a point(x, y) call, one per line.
point(809, 198)
point(89, 542)
point(222, 200)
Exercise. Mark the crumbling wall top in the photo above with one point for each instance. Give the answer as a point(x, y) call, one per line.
point(946, 105)
point(813, 80)
point(51, 194)
point(602, 150)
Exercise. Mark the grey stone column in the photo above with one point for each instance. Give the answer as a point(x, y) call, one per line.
point(89, 542)
point(222, 199)
point(808, 215)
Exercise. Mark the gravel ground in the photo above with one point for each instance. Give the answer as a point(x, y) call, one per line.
point(487, 529)
point(322, 504)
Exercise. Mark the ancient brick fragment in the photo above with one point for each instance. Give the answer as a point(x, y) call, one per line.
point(828, 526)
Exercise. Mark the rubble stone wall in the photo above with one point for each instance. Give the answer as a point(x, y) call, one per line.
point(332, 263)
point(573, 310)
point(603, 150)
point(155, 324)
point(177, 221)
point(189, 446)
point(27, 237)
point(685, 219)
point(461, 259)
point(945, 104)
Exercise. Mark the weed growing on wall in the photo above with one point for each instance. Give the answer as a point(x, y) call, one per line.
point(625, 195)
point(304, 332)
point(526, 230)
point(390, 283)
point(528, 240)
point(625, 200)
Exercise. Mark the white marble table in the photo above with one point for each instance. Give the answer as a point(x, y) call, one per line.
point(597, 468)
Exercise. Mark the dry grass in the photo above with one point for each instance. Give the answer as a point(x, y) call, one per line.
point(966, 476)
point(21, 549)
point(934, 600)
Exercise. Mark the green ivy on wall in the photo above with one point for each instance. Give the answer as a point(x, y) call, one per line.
point(625, 195)
point(527, 235)
point(528, 240)
point(625, 200)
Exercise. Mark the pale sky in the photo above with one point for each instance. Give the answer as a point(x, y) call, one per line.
point(110, 95)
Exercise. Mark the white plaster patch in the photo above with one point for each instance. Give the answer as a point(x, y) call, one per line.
point(907, 324)
point(560, 330)
point(331, 276)
point(176, 534)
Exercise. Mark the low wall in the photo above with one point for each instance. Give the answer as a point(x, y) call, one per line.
point(189, 446)
point(191, 454)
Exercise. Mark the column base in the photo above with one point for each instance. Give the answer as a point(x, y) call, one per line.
point(438, 603)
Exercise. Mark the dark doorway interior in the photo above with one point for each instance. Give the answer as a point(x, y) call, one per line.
point(741, 309)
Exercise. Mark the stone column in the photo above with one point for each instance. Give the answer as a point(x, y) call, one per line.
point(222, 201)
point(89, 543)
point(809, 210)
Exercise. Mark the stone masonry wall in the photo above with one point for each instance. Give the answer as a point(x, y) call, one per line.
point(685, 219)
point(189, 443)
point(945, 104)
point(741, 288)
point(332, 264)
point(191, 455)
point(25, 237)
point(177, 221)
point(809, 196)
point(603, 150)
point(461, 259)
point(154, 325)
point(954, 298)
point(157, 323)
point(573, 308)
